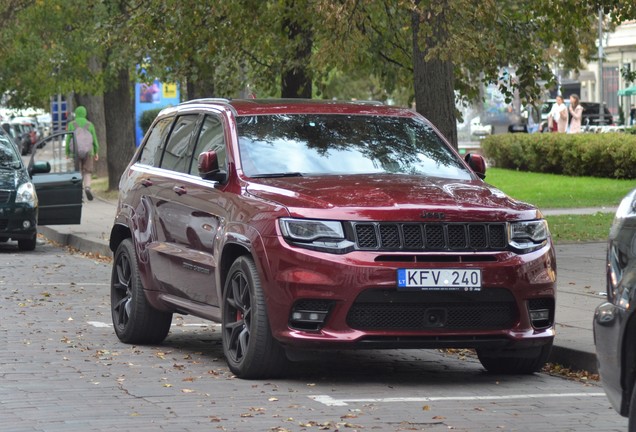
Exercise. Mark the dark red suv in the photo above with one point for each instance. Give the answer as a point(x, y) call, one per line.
point(317, 224)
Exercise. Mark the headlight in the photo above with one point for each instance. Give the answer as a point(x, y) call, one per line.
point(529, 235)
point(26, 194)
point(625, 210)
point(326, 236)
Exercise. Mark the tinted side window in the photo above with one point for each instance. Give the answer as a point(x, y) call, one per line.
point(178, 154)
point(151, 153)
point(211, 137)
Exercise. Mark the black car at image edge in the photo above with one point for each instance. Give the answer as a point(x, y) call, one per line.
point(32, 195)
point(614, 319)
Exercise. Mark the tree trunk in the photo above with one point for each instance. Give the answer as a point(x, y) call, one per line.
point(434, 80)
point(120, 127)
point(296, 80)
point(199, 89)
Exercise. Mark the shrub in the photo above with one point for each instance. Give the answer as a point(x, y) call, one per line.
point(610, 155)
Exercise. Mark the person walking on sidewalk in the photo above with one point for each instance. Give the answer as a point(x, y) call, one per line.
point(87, 147)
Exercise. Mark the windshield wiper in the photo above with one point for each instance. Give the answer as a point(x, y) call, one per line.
point(274, 175)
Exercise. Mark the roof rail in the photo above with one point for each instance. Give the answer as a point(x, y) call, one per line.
point(368, 102)
point(205, 100)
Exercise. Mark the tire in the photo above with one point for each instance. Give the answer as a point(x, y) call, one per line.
point(250, 350)
point(27, 244)
point(522, 361)
point(135, 321)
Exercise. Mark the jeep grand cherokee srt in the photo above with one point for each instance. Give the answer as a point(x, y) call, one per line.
point(318, 224)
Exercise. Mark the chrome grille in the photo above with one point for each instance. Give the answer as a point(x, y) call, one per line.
point(430, 236)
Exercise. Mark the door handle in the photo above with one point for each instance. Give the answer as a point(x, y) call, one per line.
point(146, 182)
point(76, 180)
point(180, 190)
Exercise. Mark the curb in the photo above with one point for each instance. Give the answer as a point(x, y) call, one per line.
point(573, 359)
point(77, 242)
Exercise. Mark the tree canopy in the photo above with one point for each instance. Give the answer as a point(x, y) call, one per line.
point(432, 53)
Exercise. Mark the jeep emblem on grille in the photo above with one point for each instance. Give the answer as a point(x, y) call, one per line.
point(433, 215)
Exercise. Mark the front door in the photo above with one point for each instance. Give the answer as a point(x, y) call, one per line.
point(60, 190)
point(189, 212)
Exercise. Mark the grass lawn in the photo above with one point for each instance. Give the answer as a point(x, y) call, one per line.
point(580, 228)
point(99, 185)
point(557, 191)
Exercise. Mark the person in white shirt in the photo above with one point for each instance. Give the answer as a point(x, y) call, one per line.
point(558, 114)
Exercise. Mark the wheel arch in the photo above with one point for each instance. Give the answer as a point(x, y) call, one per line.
point(118, 233)
point(231, 251)
point(240, 240)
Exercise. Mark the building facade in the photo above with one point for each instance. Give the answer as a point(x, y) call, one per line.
point(619, 51)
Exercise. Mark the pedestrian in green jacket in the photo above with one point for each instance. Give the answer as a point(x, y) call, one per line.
point(86, 146)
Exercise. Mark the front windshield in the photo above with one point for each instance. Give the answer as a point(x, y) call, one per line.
point(312, 144)
point(8, 153)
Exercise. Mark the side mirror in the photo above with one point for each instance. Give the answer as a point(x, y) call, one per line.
point(209, 167)
point(40, 168)
point(477, 163)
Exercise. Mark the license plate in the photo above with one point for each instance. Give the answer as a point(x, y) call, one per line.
point(439, 279)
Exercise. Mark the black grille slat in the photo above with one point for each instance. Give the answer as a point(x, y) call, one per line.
point(457, 236)
point(493, 309)
point(366, 237)
point(390, 236)
point(4, 196)
point(413, 238)
point(479, 316)
point(313, 305)
point(430, 236)
point(435, 236)
point(477, 236)
point(497, 236)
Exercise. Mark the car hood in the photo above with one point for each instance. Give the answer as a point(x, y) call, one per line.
point(11, 178)
point(365, 197)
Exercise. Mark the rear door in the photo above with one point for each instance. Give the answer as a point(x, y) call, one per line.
point(60, 190)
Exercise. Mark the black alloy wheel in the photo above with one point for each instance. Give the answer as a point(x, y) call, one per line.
point(250, 350)
point(134, 319)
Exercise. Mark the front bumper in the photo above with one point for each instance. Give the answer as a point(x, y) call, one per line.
point(12, 222)
point(356, 302)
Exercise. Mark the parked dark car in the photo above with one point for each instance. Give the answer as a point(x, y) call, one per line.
point(30, 194)
point(20, 135)
point(319, 224)
point(614, 319)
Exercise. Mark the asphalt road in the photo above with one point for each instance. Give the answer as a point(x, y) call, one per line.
point(63, 369)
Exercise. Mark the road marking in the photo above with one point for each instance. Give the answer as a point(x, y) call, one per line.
point(100, 324)
point(43, 284)
point(330, 401)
